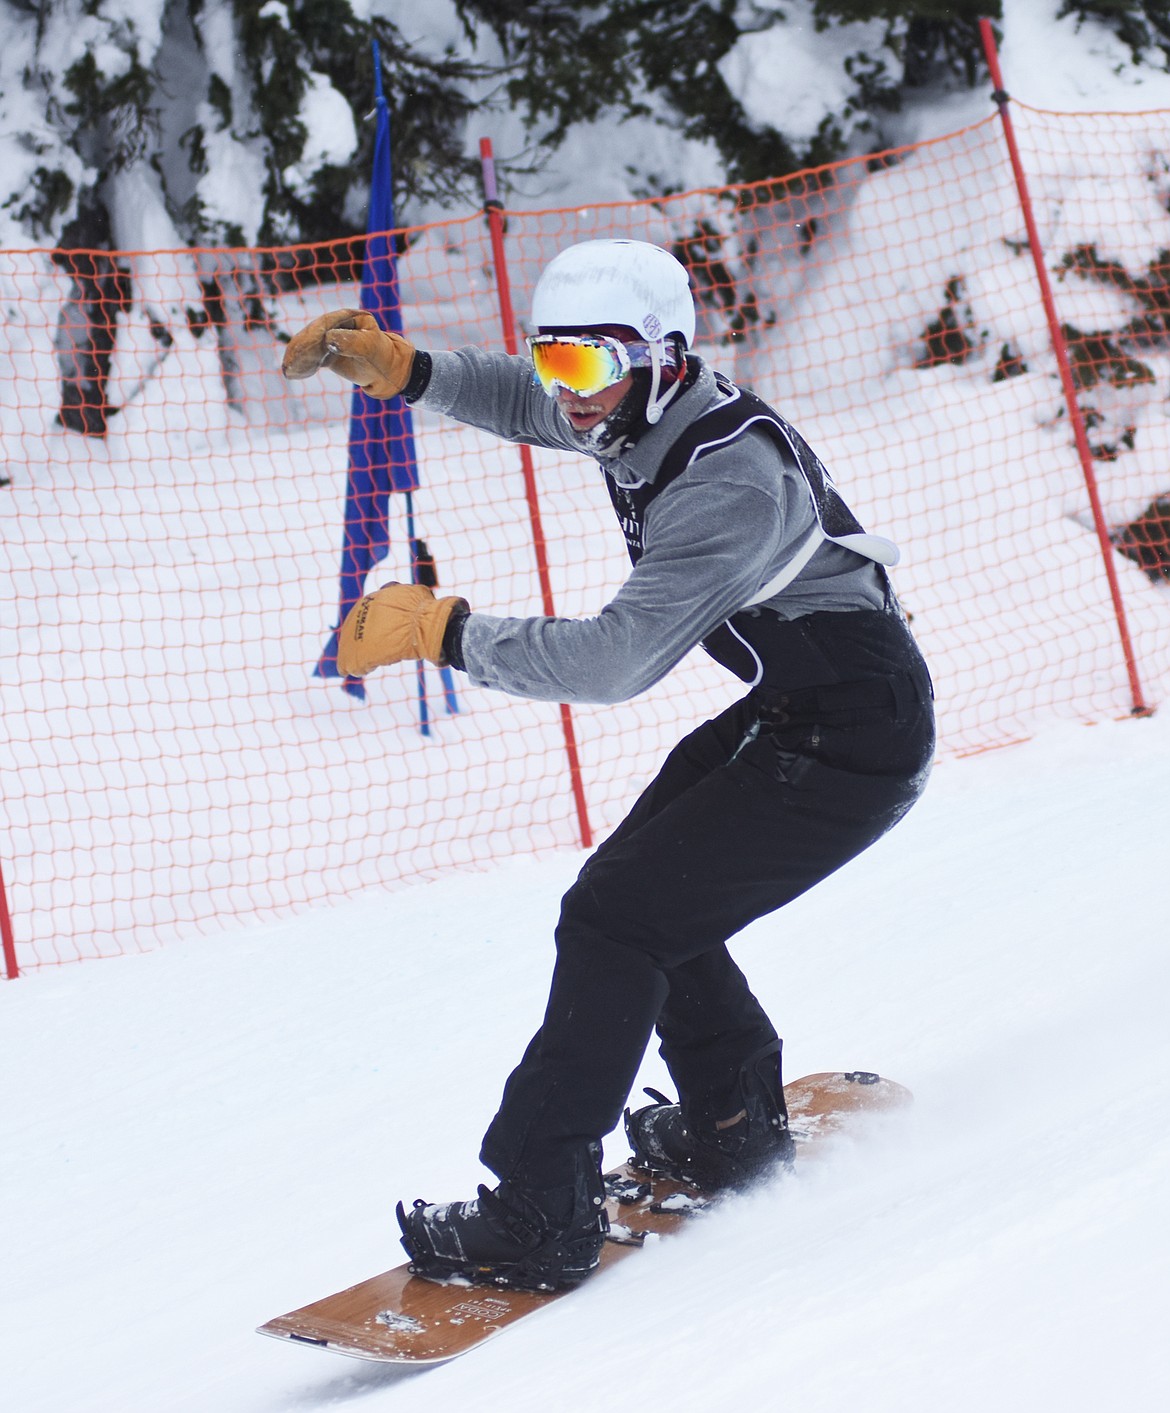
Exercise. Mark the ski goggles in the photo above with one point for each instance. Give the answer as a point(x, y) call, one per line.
point(585, 363)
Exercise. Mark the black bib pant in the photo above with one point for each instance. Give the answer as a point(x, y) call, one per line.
point(748, 812)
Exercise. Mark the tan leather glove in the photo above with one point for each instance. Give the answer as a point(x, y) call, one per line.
point(400, 623)
point(350, 343)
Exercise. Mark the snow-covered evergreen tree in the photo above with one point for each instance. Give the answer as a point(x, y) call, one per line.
point(1143, 25)
point(144, 125)
point(154, 123)
point(717, 71)
point(150, 123)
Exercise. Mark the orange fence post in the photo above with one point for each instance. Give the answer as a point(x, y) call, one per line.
point(11, 970)
point(1080, 436)
point(495, 216)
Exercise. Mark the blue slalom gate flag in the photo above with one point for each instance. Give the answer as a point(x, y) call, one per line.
point(381, 432)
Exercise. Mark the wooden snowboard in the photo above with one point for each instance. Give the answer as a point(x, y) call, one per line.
point(398, 1318)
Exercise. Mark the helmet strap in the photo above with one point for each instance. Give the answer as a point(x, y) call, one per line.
point(655, 405)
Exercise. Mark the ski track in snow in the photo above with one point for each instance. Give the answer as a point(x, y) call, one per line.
point(201, 1137)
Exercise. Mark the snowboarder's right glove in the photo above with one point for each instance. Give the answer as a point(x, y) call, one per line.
point(350, 343)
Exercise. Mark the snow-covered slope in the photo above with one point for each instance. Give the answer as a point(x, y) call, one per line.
point(198, 1139)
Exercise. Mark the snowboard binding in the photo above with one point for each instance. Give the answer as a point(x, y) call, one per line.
point(515, 1237)
point(665, 1141)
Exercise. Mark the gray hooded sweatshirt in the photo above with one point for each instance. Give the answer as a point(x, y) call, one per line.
point(713, 539)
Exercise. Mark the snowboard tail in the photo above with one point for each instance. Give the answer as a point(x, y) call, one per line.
point(397, 1317)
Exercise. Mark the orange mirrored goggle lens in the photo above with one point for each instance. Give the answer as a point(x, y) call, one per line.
point(582, 365)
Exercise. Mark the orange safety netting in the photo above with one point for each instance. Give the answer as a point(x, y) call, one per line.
point(172, 527)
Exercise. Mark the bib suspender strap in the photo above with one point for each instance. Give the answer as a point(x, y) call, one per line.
point(813, 541)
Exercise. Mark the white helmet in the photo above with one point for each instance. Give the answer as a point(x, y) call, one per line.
point(627, 282)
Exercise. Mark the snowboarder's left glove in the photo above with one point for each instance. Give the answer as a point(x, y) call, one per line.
point(351, 343)
point(400, 623)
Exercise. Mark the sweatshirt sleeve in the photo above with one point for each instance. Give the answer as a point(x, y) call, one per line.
point(710, 546)
point(496, 392)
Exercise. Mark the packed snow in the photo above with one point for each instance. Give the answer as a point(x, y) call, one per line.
point(199, 1139)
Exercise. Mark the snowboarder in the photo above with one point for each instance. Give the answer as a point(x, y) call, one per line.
point(739, 541)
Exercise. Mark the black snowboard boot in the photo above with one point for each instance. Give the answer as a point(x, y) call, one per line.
point(524, 1237)
point(696, 1144)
